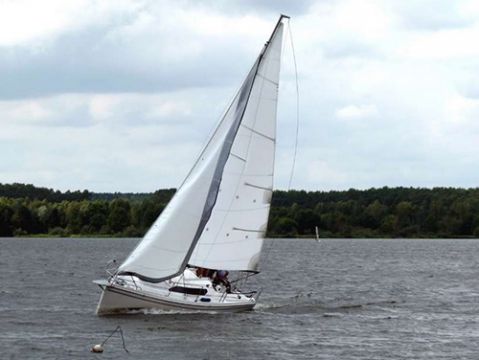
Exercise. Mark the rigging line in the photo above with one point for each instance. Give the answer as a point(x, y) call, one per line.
point(212, 134)
point(297, 107)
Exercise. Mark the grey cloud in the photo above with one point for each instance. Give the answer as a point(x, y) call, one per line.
point(107, 58)
point(91, 62)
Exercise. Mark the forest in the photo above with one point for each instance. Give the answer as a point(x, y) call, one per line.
point(27, 210)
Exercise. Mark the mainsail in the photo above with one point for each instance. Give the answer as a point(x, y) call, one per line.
point(218, 216)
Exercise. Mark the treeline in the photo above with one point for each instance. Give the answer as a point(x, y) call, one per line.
point(384, 212)
point(116, 217)
point(19, 191)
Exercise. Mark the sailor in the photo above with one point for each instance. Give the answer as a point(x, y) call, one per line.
point(221, 278)
point(199, 272)
point(210, 273)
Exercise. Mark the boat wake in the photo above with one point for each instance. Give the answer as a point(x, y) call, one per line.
point(309, 305)
point(178, 311)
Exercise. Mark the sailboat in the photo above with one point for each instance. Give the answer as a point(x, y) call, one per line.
point(208, 239)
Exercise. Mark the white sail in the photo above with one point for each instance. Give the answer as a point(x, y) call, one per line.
point(162, 252)
point(237, 163)
point(233, 237)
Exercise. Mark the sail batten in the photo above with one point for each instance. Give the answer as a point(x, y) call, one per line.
point(260, 134)
point(216, 201)
point(258, 186)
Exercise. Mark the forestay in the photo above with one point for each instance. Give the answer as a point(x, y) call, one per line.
point(218, 216)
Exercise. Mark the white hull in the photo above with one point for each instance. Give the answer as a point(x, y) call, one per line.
point(115, 301)
point(130, 294)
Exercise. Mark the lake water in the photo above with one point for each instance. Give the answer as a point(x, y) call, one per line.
point(339, 299)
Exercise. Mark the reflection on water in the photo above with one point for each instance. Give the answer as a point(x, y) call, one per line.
point(339, 299)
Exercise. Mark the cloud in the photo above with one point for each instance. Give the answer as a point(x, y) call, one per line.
point(66, 111)
point(147, 49)
point(120, 96)
point(431, 15)
point(28, 22)
point(122, 142)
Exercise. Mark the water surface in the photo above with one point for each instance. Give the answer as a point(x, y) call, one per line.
point(339, 299)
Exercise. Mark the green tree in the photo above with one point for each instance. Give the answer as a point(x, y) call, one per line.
point(22, 219)
point(285, 227)
point(73, 217)
point(119, 217)
point(375, 213)
point(6, 213)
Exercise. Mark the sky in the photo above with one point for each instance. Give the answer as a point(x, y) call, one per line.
point(122, 95)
